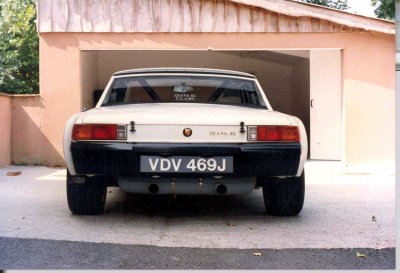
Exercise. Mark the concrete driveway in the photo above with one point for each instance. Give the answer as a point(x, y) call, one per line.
point(342, 211)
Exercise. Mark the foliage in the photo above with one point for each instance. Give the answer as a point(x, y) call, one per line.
point(384, 8)
point(19, 47)
point(336, 4)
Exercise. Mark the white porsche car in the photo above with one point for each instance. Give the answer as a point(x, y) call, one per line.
point(185, 131)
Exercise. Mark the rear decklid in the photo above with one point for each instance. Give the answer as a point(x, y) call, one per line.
point(165, 122)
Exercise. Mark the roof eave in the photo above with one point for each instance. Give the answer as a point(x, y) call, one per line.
point(300, 9)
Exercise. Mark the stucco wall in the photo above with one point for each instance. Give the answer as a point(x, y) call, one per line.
point(27, 139)
point(368, 79)
point(369, 101)
point(21, 138)
point(5, 129)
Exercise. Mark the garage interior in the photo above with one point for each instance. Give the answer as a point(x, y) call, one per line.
point(284, 75)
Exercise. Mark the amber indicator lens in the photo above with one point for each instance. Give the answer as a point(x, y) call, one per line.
point(82, 132)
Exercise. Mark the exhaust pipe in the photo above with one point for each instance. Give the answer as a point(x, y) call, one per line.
point(153, 188)
point(221, 189)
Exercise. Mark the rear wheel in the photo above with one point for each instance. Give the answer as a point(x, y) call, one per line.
point(283, 196)
point(86, 195)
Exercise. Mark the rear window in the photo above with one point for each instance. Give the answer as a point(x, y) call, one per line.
point(184, 89)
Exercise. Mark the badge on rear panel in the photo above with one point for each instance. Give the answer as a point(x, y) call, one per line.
point(187, 132)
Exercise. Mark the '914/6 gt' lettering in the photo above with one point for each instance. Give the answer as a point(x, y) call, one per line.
point(221, 133)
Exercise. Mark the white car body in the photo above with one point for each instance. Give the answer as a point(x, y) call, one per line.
point(163, 123)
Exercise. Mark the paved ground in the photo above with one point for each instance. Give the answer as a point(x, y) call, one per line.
point(67, 255)
point(343, 213)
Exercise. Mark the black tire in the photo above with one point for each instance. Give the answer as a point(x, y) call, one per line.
point(283, 196)
point(86, 195)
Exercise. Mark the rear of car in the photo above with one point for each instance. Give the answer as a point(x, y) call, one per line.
point(184, 131)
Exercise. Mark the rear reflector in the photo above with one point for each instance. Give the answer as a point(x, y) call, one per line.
point(98, 132)
point(274, 133)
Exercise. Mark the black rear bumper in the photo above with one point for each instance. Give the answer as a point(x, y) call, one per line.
point(249, 159)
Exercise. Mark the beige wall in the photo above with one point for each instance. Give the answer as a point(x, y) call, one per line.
point(369, 101)
point(27, 139)
point(21, 137)
point(60, 85)
point(368, 79)
point(5, 129)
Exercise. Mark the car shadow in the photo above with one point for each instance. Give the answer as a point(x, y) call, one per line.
point(185, 205)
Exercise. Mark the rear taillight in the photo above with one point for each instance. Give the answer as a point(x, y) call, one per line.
point(273, 133)
point(98, 132)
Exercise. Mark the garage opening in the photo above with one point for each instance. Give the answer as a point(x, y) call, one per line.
point(283, 74)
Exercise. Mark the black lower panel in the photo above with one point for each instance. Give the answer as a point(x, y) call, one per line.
point(249, 159)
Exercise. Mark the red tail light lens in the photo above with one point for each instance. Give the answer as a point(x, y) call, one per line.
point(278, 133)
point(94, 132)
point(104, 131)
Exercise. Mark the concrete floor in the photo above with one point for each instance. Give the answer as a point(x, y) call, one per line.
point(342, 210)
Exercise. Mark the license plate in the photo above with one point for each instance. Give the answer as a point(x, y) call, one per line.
point(186, 164)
